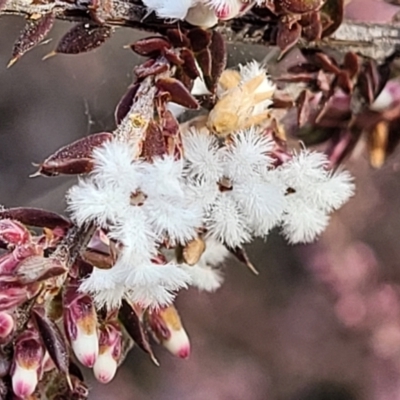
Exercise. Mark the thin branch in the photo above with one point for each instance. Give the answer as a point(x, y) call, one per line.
point(369, 39)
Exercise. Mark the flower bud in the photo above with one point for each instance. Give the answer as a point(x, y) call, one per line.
point(80, 322)
point(167, 328)
point(27, 362)
point(106, 364)
point(11, 295)
point(6, 325)
point(13, 232)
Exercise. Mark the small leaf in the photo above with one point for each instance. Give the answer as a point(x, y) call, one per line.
point(151, 46)
point(189, 64)
point(134, 327)
point(154, 143)
point(52, 339)
point(74, 158)
point(83, 37)
point(36, 217)
point(33, 33)
point(178, 92)
point(219, 59)
point(287, 36)
point(151, 67)
point(199, 39)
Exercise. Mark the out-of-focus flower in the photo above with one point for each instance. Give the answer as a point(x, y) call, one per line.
point(27, 363)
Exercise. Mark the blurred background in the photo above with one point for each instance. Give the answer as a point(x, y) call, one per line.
point(320, 322)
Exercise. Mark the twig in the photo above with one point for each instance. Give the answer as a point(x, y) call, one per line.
point(370, 39)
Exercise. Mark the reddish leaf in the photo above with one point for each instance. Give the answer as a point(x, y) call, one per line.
point(151, 46)
point(33, 33)
point(287, 36)
point(178, 92)
point(154, 144)
point(204, 60)
point(53, 340)
point(177, 37)
point(83, 37)
point(199, 39)
point(36, 217)
point(189, 64)
point(74, 158)
point(134, 327)
point(218, 59)
point(150, 67)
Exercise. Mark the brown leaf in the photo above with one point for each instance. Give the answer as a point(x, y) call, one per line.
point(83, 37)
point(154, 143)
point(53, 340)
point(36, 217)
point(178, 92)
point(150, 46)
point(218, 60)
point(204, 60)
point(33, 33)
point(74, 158)
point(150, 67)
point(199, 39)
point(134, 327)
point(189, 64)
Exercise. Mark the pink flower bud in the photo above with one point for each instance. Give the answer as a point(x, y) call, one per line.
point(80, 322)
point(26, 368)
point(167, 327)
point(6, 325)
point(106, 364)
point(10, 261)
point(13, 232)
point(12, 295)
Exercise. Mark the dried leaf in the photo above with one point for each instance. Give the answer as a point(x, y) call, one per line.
point(74, 158)
point(199, 39)
point(150, 67)
point(154, 143)
point(134, 327)
point(36, 217)
point(52, 339)
point(33, 33)
point(189, 64)
point(83, 37)
point(287, 36)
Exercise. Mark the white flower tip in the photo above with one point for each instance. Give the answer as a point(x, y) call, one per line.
point(86, 348)
point(24, 381)
point(105, 367)
point(178, 343)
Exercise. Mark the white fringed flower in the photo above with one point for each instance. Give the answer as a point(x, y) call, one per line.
point(225, 9)
point(227, 223)
point(247, 154)
point(202, 156)
point(312, 192)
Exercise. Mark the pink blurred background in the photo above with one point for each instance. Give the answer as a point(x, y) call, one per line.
point(320, 322)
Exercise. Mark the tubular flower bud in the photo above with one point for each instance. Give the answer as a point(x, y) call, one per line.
point(80, 322)
point(27, 362)
point(110, 349)
point(6, 325)
point(167, 328)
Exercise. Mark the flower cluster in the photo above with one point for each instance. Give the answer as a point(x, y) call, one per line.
point(172, 219)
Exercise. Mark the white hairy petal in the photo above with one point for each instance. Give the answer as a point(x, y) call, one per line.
point(88, 202)
point(113, 165)
point(226, 223)
point(249, 152)
point(201, 155)
point(262, 203)
point(335, 191)
point(303, 222)
point(205, 277)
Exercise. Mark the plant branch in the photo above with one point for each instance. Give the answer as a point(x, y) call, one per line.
point(372, 40)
